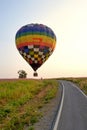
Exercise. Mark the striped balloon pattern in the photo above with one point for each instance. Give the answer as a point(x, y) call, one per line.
point(35, 42)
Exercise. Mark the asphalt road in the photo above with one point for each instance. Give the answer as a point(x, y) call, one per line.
point(74, 108)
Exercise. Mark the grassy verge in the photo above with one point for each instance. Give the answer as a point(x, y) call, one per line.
point(81, 82)
point(21, 101)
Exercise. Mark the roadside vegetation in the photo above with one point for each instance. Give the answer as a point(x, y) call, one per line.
point(81, 82)
point(21, 102)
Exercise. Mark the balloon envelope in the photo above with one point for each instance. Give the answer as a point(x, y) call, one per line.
point(35, 42)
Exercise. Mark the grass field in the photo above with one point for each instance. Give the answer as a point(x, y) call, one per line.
point(21, 101)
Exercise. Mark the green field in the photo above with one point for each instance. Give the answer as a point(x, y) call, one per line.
point(22, 100)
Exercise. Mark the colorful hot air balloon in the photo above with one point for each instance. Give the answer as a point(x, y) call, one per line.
point(35, 42)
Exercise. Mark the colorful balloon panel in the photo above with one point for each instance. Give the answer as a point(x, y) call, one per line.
point(35, 42)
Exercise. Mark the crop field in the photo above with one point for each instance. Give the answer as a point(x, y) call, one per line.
point(21, 102)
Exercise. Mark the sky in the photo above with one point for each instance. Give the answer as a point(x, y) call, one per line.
point(68, 20)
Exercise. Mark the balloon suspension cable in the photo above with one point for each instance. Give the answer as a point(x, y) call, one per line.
point(35, 74)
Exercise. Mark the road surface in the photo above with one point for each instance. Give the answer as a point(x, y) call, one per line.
point(73, 113)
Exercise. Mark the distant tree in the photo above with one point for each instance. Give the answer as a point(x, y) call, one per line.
point(22, 74)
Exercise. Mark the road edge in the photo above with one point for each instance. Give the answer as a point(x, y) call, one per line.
point(60, 110)
point(74, 85)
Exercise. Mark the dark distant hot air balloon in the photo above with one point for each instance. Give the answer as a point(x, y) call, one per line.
point(35, 42)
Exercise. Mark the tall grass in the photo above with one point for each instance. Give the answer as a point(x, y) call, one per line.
point(21, 101)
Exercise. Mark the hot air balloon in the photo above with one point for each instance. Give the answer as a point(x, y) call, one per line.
point(35, 42)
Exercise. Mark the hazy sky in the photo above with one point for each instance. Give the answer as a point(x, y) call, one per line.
point(67, 18)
